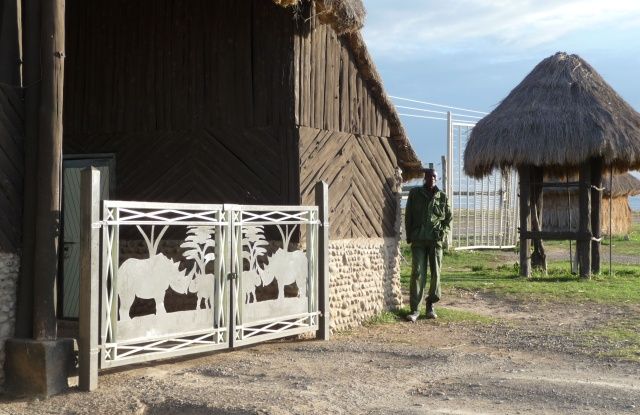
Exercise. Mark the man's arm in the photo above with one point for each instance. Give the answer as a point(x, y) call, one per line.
point(408, 219)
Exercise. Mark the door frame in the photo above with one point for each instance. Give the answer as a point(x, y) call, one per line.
point(78, 161)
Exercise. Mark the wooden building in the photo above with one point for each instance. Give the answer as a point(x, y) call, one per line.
point(248, 101)
point(561, 211)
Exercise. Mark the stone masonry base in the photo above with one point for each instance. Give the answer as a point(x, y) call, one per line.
point(9, 266)
point(365, 279)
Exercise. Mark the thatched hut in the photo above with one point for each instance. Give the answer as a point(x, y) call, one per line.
point(561, 208)
point(563, 118)
point(199, 101)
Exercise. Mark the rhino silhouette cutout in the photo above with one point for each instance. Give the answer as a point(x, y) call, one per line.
point(286, 268)
point(202, 285)
point(149, 279)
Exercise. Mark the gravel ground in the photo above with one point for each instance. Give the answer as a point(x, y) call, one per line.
point(532, 360)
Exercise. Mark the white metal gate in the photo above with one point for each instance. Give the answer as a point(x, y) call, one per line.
point(177, 279)
point(484, 211)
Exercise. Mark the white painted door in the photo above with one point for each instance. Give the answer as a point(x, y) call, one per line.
point(70, 286)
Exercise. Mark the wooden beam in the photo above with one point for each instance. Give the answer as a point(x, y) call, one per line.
point(557, 236)
point(538, 258)
point(596, 208)
point(584, 247)
point(31, 76)
point(10, 43)
point(525, 189)
point(49, 170)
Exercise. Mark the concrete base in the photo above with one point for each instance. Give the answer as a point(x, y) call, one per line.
point(37, 368)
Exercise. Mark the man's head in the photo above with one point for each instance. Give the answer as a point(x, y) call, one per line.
point(430, 178)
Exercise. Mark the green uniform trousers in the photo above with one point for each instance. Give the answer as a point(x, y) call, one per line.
point(425, 254)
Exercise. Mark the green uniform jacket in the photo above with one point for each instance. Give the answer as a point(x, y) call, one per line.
point(427, 217)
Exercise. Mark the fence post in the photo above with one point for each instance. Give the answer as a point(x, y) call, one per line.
point(89, 278)
point(322, 201)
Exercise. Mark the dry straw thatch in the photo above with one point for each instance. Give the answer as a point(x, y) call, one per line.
point(562, 114)
point(561, 213)
point(344, 16)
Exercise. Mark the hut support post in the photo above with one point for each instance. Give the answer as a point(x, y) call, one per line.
point(596, 209)
point(525, 189)
point(538, 257)
point(584, 240)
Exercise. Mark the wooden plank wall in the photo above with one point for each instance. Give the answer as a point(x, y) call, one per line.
point(331, 91)
point(194, 97)
point(213, 165)
point(343, 136)
point(360, 172)
point(11, 167)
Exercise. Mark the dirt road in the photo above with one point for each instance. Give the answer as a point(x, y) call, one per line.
point(533, 359)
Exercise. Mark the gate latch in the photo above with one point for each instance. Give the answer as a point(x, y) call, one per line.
point(232, 276)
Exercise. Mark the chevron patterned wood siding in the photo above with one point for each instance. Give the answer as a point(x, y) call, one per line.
point(360, 172)
point(194, 98)
point(343, 136)
point(11, 167)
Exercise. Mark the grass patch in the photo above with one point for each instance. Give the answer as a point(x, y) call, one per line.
point(450, 315)
point(621, 338)
point(447, 315)
point(384, 317)
point(620, 244)
point(497, 272)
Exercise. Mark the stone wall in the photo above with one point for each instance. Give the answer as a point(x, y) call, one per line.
point(9, 266)
point(365, 279)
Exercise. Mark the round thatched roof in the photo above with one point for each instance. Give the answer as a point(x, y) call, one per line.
point(562, 114)
point(623, 185)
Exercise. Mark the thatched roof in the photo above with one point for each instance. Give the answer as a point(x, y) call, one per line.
point(562, 114)
point(346, 17)
point(623, 185)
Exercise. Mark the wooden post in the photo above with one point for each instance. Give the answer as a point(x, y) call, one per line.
point(49, 170)
point(596, 208)
point(584, 244)
point(89, 278)
point(322, 201)
point(525, 188)
point(538, 257)
point(31, 78)
point(10, 43)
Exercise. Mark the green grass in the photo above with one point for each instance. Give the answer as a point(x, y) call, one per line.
point(384, 317)
point(620, 244)
point(445, 315)
point(621, 338)
point(494, 272)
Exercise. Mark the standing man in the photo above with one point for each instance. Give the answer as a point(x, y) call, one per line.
point(427, 223)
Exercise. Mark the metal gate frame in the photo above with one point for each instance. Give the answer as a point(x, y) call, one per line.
point(99, 346)
point(487, 219)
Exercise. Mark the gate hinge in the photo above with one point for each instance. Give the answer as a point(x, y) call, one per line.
point(232, 276)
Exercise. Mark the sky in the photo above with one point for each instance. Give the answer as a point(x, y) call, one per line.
point(472, 53)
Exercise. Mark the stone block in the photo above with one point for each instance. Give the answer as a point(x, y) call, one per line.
point(37, 368)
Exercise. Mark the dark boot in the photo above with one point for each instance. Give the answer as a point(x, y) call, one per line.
point(430, 312)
